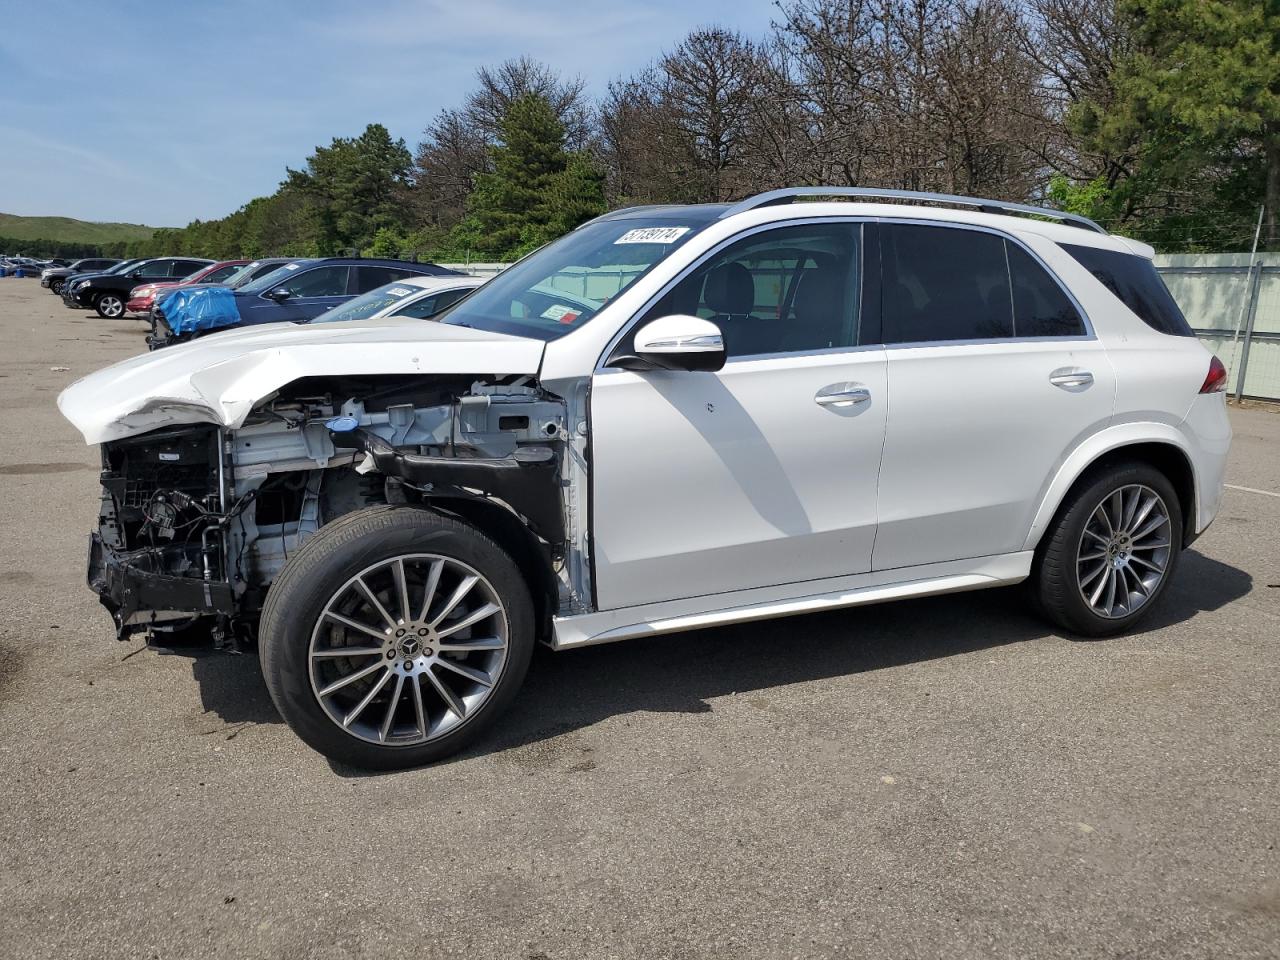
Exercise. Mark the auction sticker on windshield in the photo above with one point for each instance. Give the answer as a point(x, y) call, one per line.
point(399, 292)
point(653, 235)
point(561, 314)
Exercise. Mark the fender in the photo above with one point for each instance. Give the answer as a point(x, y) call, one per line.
point(1087, 453)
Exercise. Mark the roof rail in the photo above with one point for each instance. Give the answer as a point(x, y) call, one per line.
point(790, 194)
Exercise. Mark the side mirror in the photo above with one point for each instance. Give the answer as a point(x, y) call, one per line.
point(279, 295)
point(678, 342)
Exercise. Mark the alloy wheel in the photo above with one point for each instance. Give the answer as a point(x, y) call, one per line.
point(408, 649)
point(111, 306)
point(1124, 551)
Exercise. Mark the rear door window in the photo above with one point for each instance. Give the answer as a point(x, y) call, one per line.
point(371, 278)
point(1041, 308)
point(222, 273)
point(320, 282)
point(155, 271)
point(185, 268)
point(1135, 281)
point(942, 283)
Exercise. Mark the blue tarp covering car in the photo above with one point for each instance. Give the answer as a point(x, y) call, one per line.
point(208, 308)
point(298, 291)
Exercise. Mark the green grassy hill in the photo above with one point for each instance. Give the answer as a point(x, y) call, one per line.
point(67, 230)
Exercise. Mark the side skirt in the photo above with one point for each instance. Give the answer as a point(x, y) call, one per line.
point(694, 613)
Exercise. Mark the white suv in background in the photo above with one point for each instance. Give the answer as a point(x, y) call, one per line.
point(673, 417)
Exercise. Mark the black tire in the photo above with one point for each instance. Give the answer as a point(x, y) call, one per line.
point(1056, 576)
point(105, 303)
point(319, 573)
point(55, 287)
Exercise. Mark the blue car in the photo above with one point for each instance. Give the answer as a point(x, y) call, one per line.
point(298, 291)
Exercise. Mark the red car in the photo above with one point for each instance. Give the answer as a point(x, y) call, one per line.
point(142, 297)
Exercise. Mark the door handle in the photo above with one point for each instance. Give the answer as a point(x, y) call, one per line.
point(1067, 377)
point(842, 395)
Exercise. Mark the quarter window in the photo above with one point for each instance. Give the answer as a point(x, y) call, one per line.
point(1136, 283)
point(789, 290)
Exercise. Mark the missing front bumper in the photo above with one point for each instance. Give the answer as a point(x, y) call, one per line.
point(138, 598)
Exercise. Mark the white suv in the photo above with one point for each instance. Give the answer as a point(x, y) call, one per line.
point(673, 417)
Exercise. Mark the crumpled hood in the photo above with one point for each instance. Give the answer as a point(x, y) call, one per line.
point(220, 378)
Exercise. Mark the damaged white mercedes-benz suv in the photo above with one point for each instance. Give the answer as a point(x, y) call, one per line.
point(672, 417)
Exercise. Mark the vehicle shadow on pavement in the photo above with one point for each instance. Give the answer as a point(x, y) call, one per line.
point(679, 673)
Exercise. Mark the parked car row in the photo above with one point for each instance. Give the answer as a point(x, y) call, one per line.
point(31, 265)
point(109, 292)
point(298, 291)
point(52, 278)
point(183, 298)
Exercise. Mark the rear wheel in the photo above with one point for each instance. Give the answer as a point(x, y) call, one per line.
point(1111, 552)
point(395, 636)
point(109, 306)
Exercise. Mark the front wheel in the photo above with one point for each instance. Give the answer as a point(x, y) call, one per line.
point(395, 636)
point(1111, 551)
point(109, 306)
point(55, 287)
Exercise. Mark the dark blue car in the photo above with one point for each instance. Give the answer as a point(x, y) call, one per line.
point(299, 290)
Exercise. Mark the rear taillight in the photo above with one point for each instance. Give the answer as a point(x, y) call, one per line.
point(1216, 380)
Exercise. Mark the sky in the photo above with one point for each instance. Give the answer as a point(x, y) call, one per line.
point(165, 111)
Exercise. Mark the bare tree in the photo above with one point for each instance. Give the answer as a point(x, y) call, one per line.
point(917, 94)
point(709, 91)
point(447, 160)
point(632, 140)
point(685, 129)
point(777, 146)
point(993, 116)
point(828, 49)
point(1076, 45)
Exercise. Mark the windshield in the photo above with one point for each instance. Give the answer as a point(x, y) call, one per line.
point(241, 276)
point(270, 280)
point(366, 305)
point(562, 286)
point(245, 274)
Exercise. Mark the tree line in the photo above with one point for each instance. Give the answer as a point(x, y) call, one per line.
point(1158, 118)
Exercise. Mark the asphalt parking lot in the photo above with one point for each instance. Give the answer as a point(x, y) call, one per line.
point(941, 778)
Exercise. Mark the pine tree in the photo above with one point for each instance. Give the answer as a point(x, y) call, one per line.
point(536, 191)
point(1199, 95)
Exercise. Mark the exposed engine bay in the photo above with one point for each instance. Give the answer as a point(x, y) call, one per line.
point(196, 521)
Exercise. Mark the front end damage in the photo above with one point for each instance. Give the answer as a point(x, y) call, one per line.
point(197, 520)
